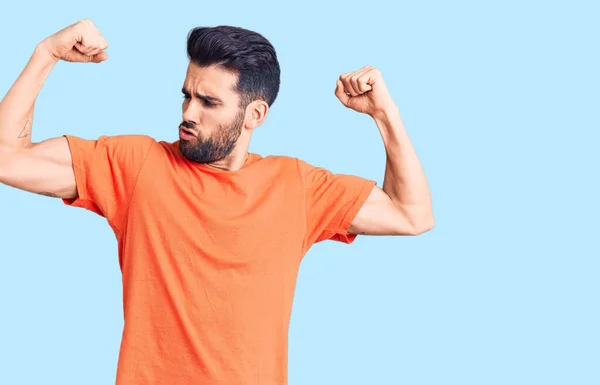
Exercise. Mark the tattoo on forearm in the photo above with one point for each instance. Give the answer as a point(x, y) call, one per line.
point(25, 131)
point(48, 194)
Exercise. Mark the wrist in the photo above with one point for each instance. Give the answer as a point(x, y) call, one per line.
point(387, 114)
point(43, 50)
point(388, 111)
point(390, 125)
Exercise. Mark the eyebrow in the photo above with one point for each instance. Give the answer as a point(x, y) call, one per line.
point(201, 96)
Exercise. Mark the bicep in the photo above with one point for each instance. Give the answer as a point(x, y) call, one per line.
point(380, 216)
point(43, 168)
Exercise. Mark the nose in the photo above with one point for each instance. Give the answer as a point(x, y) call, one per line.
point(190, 114)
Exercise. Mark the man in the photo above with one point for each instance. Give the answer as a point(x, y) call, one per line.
point(211, 236)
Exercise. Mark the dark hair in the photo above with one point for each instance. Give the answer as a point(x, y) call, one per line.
point(243, 52)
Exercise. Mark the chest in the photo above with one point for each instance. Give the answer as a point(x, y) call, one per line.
point(250, 222)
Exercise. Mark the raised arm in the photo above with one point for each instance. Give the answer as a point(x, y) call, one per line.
point(45, 167)
point(403, 206)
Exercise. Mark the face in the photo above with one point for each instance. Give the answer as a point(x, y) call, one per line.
point(211, 114)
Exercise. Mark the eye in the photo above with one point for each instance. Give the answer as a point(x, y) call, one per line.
point(185, 96)
point(209, 104)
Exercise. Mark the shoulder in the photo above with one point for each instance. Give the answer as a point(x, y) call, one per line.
point(284, 162)
point(285, 159)
point(298, 165)
point(126, 142)
point(139, 142)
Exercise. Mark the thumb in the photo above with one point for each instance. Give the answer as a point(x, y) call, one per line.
point(100, 57)
point(78, 57)
point(339, 92)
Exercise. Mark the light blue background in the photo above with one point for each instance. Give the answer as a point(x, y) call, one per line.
point(501, 102)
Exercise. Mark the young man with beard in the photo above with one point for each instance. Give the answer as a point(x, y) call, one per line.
point(211, 236)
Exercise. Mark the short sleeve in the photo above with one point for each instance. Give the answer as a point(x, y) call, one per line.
point(332, 202)
point(106, 170)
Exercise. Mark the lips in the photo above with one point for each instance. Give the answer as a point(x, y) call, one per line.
point(187, 131)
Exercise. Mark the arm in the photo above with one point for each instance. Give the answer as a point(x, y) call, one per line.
point(403, 206)
point(45, 167)
point(16, 108)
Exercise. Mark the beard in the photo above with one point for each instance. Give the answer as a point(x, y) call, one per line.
point(216, 147)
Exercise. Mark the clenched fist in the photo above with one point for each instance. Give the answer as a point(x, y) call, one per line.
point(78, 43)
point(364, 91)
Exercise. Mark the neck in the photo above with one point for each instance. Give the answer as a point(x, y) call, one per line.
point(236, 159)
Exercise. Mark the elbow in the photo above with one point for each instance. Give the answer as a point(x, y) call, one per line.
point(424, 226)
point(420, 225)
point(415, 219)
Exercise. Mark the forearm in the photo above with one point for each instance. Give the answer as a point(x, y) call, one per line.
point(404, 180)
point(16, 108)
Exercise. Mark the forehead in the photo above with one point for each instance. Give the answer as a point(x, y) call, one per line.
point(212, 80)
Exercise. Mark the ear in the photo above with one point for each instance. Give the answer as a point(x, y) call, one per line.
point(256, 113)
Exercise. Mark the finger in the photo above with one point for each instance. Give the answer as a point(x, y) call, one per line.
point(352, 85)
point(345, 79)
point(96, 51)
point(74, 56)
point(354, 78)
point(357, 79)
point(372, 75)
point(347, 82)
point(84, 48)
point(355, 86)
point(100, 57)
point(362, 71)
point(100, 45)
point(362, 83)
point(341, 93)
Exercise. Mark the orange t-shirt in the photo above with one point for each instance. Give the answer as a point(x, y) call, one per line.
point(209, 258)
